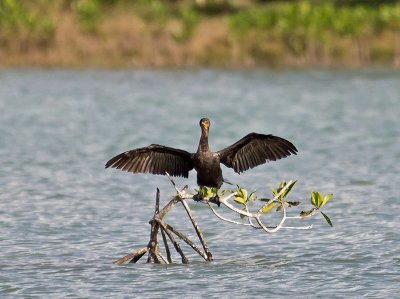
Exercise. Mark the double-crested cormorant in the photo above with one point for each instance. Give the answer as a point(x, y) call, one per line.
point(252, 150)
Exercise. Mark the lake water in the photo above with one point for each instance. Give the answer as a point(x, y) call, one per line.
point(64, 219)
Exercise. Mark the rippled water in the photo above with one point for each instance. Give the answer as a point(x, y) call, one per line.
point(64, 219)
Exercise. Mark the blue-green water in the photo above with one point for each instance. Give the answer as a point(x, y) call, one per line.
point(64, 219)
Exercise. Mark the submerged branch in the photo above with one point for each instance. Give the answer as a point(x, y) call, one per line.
point(198, 231)
point(187, 240)
point(163, 258)
point(169, 258)
point(176, 244)
point(153, 243)
point(132, 257)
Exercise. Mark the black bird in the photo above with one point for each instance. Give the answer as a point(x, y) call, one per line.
point(252, 150)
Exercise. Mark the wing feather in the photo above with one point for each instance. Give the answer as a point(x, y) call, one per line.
point(155, 159)
point(255, 149)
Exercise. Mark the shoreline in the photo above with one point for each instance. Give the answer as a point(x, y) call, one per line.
point(124, 39)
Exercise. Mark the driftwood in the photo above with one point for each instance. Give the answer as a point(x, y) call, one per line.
point(168, 232)
point(171, 235)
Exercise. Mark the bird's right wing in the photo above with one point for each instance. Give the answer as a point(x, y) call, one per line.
point(255, 149)
point(155, 159)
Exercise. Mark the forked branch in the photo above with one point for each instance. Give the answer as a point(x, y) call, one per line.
point(278, 202)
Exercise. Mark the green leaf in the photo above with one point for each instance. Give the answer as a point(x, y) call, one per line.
point(244, 192)
point(314, 198)
point(203, 191)
point(214, 190)
point(293, 203)
point(268, 207)
point(208, 192)
point(265, 199)
point(327, 218)
point(281, 185)
point(287, 191)
point(240, 200)
point(326, 199)
point(307, 213)
point(320, 199)
point(276, 191)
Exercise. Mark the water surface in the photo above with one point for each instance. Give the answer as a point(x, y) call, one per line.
point(64, 219)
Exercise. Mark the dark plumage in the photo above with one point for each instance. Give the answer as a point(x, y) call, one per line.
point(250, 151)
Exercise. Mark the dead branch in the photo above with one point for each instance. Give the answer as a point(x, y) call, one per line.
point(169, 258)
point(132, 257)
point(198, 231)
point(187, 240)
point(176, 244)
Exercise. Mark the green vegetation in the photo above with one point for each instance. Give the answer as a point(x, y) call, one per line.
point(18, 21)
point(276, 203)
point(240, 32)
point(296, 24)
point(89, 13)
point(279, 200)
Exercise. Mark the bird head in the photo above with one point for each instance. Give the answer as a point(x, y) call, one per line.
point(205, 123)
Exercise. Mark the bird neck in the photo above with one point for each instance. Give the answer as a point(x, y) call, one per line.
point(203, 144)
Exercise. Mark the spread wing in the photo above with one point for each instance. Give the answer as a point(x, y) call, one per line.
point(255, 149)
point(155, 159)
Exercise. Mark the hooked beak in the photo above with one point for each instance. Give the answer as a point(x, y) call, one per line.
point(205, 125)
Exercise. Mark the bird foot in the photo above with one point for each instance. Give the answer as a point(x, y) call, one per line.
point(214, 199)
point(198, 197)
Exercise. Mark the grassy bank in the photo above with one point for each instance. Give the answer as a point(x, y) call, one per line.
point(162, 33)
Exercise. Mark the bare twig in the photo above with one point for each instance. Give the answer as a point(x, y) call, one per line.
point(157, 207)
point(198, 231)
point(153, 243)
point(176, 244)
point(297, 227)
point(132, 257)
point(182, 196)
point(187, 240)
point(257, 215)
point(168, 207)
point(169, 258)
point(163, 258)
point(181, 193)
point(250, 221)
point(226, 219)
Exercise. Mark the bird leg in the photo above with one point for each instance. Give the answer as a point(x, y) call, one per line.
point(198, 197)
point(213, 199)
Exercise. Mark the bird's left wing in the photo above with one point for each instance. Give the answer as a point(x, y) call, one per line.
point(255, 149)
point(155, 159)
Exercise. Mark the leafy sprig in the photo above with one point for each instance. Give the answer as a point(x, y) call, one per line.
point(278, 200)
point(318, 200)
